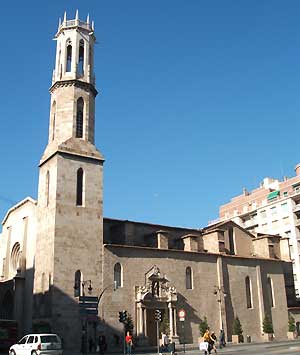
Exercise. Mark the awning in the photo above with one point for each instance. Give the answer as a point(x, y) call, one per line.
point(273, 194)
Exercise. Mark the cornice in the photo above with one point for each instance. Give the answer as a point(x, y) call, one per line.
point(74, 82)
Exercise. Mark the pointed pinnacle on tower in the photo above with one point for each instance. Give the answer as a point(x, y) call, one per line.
point(65, 17)
point(76, 16)
point(59, 23)
point(88, 18)
point(93, 26)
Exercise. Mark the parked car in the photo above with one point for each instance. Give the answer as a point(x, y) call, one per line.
point(37, 344)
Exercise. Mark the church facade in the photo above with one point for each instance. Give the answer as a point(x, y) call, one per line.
point(58, 249)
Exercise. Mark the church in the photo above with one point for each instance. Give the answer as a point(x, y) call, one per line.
point(58, 252)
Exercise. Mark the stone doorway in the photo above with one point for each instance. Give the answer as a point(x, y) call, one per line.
point(151, 327)
point(156, 293)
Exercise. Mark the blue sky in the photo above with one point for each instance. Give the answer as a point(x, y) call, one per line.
point(197, 99)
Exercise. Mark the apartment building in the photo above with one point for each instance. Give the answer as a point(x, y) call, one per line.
point(272, 208)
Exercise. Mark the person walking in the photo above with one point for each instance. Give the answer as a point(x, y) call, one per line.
point(102, 344)
point(207, 339)
point(213, 339)
point(128, 342)
point(222, 341)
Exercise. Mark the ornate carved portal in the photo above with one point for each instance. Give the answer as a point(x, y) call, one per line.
point(156, 293)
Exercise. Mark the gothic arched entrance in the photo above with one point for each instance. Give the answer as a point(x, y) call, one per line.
point(7, 306)
point(156, 293)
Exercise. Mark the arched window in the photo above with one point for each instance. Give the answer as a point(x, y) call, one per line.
point(188, 278)
point(270, 291)
point(47, 188)
point(90, 56)
point(79, 118)
point(15, 257)
point(81, 58)
point(53, 119)
point(117, 275)
point(59, 64)
point(79, 189)
point(69, 56)
point(248, 292)
point(43, 282)
point(77, 284)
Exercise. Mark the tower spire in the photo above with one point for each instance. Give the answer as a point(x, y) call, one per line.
point(77, 15)
point(65, 16)
point(88, 19)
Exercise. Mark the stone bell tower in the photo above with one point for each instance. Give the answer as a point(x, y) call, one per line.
point(70, 220)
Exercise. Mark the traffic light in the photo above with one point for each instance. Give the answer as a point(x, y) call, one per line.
point(122, 316)
point(157, 315)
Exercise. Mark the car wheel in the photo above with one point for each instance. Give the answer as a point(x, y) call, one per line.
point(12, 352)
point(33, 353)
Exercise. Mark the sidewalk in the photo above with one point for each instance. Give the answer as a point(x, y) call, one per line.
point(230, 348)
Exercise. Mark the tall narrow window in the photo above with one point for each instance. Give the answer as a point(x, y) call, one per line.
point(248, 292)
point(69, 56)
point(77, 284)
point(270, 292)
point(79, 118)
point(188, 278)
point(90, 56)
point(47, 188)
point(43, 286)
point(117, 275)
point(59, 64)
point(81, 58)
point(79, 192)
point(53, 119)
point(231, 241)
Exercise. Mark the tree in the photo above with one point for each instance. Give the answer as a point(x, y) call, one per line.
point(267, 325)
point(237, 327)
point(128, 324)
point(203, 326)
point(292, 326)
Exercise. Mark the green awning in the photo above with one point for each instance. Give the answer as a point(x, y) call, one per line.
point(273, 194)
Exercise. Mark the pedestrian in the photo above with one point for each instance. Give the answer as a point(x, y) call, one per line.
point(222, 341)
point(91, 344)
point(207, 339)
point(164, 342)
point(213, 339)
point(102, 344)
point(128, 342)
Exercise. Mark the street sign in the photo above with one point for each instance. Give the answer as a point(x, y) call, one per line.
point(181, 315)
point(87, 299)
point(88, 305)
point(85, 311)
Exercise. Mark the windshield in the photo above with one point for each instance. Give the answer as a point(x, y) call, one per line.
point(49, 339)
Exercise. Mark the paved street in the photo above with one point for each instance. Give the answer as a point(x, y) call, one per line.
point(278, 348)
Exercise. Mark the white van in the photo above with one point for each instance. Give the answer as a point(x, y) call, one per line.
point(37, 344)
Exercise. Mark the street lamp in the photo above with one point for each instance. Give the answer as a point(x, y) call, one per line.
point(90, 288)
point(218, 292)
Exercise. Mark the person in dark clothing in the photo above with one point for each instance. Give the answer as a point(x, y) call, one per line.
point(213, 340)
point(102, 344)
point(222, 341)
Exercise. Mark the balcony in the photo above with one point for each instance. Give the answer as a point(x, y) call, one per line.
point(297, 223)
point(296, 209)
point(250, 223)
